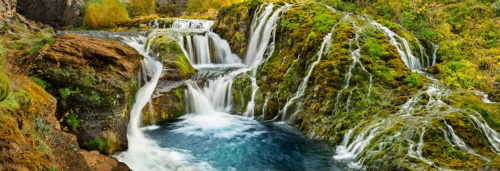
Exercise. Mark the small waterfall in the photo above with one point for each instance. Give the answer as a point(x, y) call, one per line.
point(208, 49)
point(192, 24)
point(325, 47)
point(263, 27)
point(143, 153)
point(165, 23)
point(404, 50)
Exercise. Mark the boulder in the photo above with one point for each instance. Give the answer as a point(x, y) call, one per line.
point(94, 82)
point(57, 13)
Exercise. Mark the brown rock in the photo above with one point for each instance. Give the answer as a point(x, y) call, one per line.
point(93, 79)
point(97, 161)
point(52, 12)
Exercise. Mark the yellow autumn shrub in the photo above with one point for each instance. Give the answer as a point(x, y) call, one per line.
point(142, 7)
point(104, 13)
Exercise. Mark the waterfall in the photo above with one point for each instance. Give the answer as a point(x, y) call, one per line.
point(202, 47)
point(262, 28)
point(180, 24)
point(207, 49)
point(325, 47)
point(404, 50)
point(142, 153)
point(192, 24)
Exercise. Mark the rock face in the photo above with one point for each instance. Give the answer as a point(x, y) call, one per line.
point(94, 81)
point(233, 23)
point(31, 137)
point(7, 8)
point(56, 13)
point(171, 8)
point(169, 103)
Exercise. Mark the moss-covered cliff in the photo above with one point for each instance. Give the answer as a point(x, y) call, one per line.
point(31, 136)
point(361, 94)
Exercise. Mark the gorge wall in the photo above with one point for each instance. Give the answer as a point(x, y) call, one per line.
point(56, 13)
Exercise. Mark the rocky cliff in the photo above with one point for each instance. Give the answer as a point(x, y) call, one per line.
point(31, 136)
point(56, 13)
point(345, 79)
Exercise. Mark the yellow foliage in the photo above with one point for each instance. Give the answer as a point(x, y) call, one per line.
point(104, 13)
point(142, 7)
point(201, 6)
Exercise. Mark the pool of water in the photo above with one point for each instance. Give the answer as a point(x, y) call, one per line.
point(220, 141)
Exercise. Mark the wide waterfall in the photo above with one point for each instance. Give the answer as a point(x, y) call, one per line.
point(212, 136)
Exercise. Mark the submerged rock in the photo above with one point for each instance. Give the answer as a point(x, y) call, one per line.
point(94, 81)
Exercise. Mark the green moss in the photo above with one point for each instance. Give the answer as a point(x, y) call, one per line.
point(72, 122)
point(99, 144)
point(4, 86)
point(42, 83)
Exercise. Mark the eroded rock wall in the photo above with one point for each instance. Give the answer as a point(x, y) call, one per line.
point(57, 13)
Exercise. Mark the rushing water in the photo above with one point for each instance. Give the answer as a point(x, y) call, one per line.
point(209, 137)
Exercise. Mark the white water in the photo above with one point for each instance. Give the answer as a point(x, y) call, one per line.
point(404, 50)
point(181, 24)
point(142, 153)
point(325, 47)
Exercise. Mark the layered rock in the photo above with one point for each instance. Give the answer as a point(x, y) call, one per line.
point(94, 82)
point(56, 13)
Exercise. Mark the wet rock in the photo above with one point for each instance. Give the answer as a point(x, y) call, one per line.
point(62, 12)
point(233, 24)
point(94, 81)
point(170, 104)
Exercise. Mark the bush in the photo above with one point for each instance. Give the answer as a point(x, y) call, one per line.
point(39, 81)
point(99, 144)
point(142, 7)
point(202, 6)
point(72, 122)
point(104, 13)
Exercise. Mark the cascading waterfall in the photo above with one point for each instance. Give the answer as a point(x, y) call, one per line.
point(210, 101)
point(204, 49)
point(142, 153)
point(263, 27)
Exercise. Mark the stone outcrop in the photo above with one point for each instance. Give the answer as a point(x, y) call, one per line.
point(169, 102)
point(56, 13)
point(233, 23)
point(94, 81)
point(171, 8)
point(31, 137)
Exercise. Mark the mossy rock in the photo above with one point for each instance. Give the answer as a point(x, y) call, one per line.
point(4, 86)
